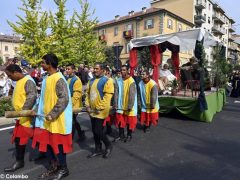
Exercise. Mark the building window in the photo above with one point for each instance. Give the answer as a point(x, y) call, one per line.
point(6, 48)
point(129, 27)
point(170, 24)
point(115, 31)
point(103, 32)
point(209, 20)
point(179, 27)
point(148, 24)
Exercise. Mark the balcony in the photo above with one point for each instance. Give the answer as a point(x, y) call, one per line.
point(200, 5)
point(127, 34)
point(232, 29)
point(218, 19)
point(217, 7)
point(199, 19)
point(218, 30)
point(102, 37)
point(231, 38)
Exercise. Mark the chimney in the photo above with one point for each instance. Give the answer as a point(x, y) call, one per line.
point(131, 13)
point(144, 9)
point(117, 17)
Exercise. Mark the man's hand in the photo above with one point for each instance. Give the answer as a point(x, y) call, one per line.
point(88, 109)
point(48, 118)
point(33, 113)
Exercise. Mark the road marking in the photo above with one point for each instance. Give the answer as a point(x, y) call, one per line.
point(236, 101)
point(11, 127)
point(6, 128)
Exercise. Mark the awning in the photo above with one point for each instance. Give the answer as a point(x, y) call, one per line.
point(186, 40)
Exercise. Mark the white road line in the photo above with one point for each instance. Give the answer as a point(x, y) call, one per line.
point(11, 127)
point(6, 128)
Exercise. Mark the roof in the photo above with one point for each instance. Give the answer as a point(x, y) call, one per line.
point(140, 14)
point(7, 38)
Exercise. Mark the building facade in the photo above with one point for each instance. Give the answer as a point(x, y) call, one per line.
point(148, 21)
point(9, 46)
point(206, 14)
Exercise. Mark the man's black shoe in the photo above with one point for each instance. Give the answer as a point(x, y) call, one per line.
point(119, 138)
point(146, 129)
point(62, 172)
point(51, 171)
point(95, 153)
point(14, 166)
point(107, 152)
point(128, 139)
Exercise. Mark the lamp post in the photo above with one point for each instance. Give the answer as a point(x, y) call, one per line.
point(117, 49)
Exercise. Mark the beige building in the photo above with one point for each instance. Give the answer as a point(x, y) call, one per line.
point(151, 21)
point(203, 13)
point(9, 46)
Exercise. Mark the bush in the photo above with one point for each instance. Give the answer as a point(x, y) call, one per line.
point(5, 105)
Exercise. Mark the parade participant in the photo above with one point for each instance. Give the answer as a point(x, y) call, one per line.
point(99, 93)
point(53, 125)
point(149, 101)
point(110, 119)
point(75, 86)
point(126, 99)
point(24, 98)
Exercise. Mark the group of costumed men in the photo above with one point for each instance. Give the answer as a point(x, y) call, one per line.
point(53, 123)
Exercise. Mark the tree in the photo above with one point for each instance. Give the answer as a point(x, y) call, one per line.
point(145, 58)
point(1, 61)
point(87, 46)
point(200, 54)
point(61, 33)
point(220, 67)
point(32, 27)
point(110, 57)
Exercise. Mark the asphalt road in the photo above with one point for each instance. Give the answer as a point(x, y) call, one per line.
point(177, 149)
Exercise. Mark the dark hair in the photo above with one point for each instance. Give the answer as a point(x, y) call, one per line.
point(146, 71)
point(51, 59)
point(100, 65)
point(71, 65)
point(13, 68)
point(107, 69)
point(126, 66)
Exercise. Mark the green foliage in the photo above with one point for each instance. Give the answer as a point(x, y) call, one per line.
point(72, 40)
point(87, 47)
point(1, 61)
point(145, 58)
point(5, 105)
point(237, 67)
point(174, 84)
point(200, 54)
point(32, 27)
point(220, 68)
point(110, 57)
point(61, 33)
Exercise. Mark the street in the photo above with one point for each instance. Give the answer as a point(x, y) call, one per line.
point(177, 149)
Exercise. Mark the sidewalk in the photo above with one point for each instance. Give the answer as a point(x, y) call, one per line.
point(6, 121)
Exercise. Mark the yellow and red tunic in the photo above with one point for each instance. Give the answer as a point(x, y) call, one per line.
point(58, 131)
point(23, 128)
point(125, 98)
point(149, 114)
point(99, 95)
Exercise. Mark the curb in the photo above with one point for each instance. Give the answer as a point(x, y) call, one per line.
point(5, 121)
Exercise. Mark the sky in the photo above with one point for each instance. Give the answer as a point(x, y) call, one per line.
point(104, 10)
